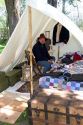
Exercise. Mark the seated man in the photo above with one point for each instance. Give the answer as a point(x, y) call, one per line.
point(41, 54)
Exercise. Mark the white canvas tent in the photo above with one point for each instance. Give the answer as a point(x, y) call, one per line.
point(42, 15)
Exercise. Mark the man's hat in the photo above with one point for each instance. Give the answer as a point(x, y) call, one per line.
point(42, 36)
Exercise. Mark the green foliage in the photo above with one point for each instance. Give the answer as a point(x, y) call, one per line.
point(3, 21)
point(23, 5)
point(2, 44)
point(80, 24)
point(71, 2)
point(2, 3)
point(3, 26)
point(1, 49)
point(3, 29)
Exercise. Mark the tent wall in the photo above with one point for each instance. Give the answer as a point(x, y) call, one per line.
point(72, 46)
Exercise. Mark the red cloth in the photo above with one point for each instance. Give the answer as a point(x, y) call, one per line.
point(76, 57)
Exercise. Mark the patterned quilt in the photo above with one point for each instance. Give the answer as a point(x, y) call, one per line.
point(60, 83)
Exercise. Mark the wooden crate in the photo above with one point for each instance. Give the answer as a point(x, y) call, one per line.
point(54, 108)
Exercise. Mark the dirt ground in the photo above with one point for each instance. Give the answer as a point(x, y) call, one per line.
point(26, 87)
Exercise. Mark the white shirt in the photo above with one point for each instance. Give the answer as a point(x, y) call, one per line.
point(59, 26)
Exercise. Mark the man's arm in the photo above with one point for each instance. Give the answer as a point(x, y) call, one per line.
point(48, 55)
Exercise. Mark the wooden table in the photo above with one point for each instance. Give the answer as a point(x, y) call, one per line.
point(11, 106)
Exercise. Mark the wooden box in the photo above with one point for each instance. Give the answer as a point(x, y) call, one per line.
point(54, 107)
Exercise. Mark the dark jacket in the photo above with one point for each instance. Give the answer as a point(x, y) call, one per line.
point(64, 35)
point(40, 52)
point(52, 2)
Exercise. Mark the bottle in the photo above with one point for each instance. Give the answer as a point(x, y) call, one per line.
point(60, 84)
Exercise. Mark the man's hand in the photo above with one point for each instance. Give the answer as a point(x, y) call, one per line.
point(50, 61)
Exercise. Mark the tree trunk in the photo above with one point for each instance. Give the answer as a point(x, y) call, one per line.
point(53, 2)
point(12, 7)
point(63, 6)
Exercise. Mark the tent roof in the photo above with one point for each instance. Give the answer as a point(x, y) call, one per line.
point(42, 14)
point(55, 14)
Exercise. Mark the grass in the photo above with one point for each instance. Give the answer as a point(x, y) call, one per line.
point(22, 120)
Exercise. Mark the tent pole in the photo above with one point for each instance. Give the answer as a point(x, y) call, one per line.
point(30, 46)
point(58, 51)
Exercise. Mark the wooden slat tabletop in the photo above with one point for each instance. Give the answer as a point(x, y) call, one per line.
point(9, 116)
point(11, 106)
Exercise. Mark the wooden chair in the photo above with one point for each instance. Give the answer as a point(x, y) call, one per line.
point(36, 68)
